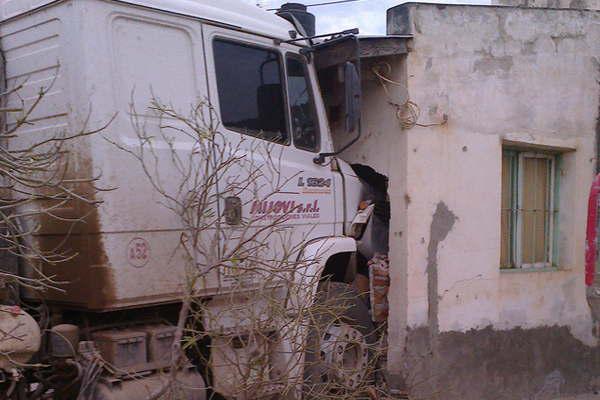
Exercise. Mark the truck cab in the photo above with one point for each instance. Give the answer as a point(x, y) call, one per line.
point(253, 75)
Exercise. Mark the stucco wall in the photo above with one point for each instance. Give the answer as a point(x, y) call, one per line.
point(500, 74)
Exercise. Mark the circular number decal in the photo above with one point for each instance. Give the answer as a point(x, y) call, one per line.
point(138, 252)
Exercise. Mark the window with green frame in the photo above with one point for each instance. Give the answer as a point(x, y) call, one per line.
point(528, 209)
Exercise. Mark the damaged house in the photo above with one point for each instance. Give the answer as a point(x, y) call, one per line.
point(485, 119)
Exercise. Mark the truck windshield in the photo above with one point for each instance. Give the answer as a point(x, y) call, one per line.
point(249, 82)
point(302, 108)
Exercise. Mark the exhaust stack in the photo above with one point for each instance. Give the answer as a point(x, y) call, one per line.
point(296, 13)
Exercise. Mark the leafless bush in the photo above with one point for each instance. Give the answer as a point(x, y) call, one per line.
point(37, 181)
point(262, 316)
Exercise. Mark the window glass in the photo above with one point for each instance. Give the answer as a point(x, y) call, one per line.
point(535, 207)
point(508, 212)
point(302, 108)
point(250, 90)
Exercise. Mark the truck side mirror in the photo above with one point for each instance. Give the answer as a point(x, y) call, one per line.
point(352, 93)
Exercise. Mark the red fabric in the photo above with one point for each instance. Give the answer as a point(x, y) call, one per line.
point(591, 232)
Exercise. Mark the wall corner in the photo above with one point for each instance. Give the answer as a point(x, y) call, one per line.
point(400, 20)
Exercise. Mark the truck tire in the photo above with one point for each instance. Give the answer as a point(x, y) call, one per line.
point(340, 354)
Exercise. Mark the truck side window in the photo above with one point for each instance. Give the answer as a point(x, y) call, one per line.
point(249, 82)
point(305, 128)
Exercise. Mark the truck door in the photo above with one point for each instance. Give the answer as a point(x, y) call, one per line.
point(263, 97)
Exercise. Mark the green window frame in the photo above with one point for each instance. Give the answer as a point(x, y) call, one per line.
point(529, 209)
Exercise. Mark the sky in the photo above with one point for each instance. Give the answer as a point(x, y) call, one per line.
point(367, 15)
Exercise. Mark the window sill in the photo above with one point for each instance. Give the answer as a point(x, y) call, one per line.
point(528, 270)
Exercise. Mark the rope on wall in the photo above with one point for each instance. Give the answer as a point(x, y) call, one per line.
point(408, 112)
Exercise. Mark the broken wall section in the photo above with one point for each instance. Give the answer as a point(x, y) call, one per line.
point(383, 146)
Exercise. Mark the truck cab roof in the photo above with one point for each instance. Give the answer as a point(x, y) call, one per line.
point(235, 13)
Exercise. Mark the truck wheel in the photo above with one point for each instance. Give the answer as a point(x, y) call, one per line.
point(340, 354)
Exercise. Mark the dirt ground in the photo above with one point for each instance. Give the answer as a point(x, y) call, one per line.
point(590, 396)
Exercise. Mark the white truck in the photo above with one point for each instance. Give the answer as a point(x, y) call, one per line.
point(100, 58)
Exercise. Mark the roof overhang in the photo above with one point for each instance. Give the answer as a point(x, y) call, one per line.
point(353, 48)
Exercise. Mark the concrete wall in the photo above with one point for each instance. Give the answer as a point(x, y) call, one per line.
point(458, 325)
